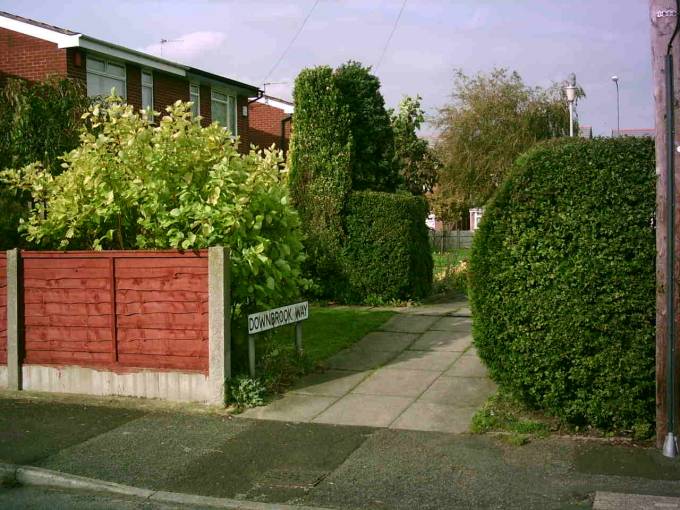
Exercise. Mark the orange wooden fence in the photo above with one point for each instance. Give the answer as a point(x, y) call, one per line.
point(114, 309)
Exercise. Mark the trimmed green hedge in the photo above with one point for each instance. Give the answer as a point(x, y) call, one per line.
point(563, 281)
point(321, 171)
point(387, 253)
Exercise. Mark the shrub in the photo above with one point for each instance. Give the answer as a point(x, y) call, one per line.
point(387, 254)
point(246, 392)
point(343, 141)
point(133, 184)
point(563, 281)
point(320, 170)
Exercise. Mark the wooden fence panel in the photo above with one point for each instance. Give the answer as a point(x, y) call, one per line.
point(162, 312)
point(448, 240)
point(114, 309)
point(67, 311)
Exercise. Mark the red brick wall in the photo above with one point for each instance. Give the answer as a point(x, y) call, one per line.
point(167, 89)
point(3, 308)
point(76, 64)
point(30, 58)
point(134, 85)
point(117, 309)
point(265, 125)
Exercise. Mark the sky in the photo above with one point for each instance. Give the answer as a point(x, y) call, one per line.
point(544, 40)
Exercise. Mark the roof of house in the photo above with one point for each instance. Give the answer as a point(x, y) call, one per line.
point(634, 132)
point(39, 24)
point(65, 38)
point(281, 104)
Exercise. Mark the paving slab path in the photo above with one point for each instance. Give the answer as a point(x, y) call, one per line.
point(418, 372)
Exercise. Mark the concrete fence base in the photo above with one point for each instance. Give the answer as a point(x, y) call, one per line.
point(3, 377)
point(174, 386)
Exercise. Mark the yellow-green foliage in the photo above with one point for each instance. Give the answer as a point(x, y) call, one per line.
point(172, 184)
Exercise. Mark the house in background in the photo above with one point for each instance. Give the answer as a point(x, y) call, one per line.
point(637, 132)
point(33, 51)
point(271, 122)
point(585, 131)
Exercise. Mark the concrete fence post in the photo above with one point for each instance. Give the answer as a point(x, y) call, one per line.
point(219, 329)
point(14, 319)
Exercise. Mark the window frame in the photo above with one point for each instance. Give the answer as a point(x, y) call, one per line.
point(197, 102)
point(228, 95)
point(149, 73)
point(106, 61)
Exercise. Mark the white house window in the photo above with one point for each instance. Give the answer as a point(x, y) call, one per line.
point(104, 75)
point(223, 108)
point(147, 90)
point(195, 98)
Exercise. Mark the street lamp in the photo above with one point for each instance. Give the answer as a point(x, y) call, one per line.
point(570, 89)
point(615, 79)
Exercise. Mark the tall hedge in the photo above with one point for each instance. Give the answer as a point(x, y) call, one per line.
point(320, 170)
point(386, 254)
point(343, 142)
point(563, 281)
point(373, 162)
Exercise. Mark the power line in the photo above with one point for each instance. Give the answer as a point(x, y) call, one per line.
point(304, 22)
point(394, 29)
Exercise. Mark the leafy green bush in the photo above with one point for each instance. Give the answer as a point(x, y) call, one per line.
point(387, 254)
point(563, 281)
point(133, 184)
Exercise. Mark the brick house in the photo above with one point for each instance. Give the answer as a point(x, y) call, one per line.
point(270, 122)
point(33, 50)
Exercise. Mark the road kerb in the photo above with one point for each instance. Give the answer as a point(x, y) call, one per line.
point(8, 474)
point(46, 478)
point(33, 476)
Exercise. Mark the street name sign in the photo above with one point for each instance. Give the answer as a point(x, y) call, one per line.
point(270, 319)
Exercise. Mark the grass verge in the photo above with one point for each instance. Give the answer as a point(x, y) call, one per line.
point(328, 330)
point(518, 424)
point(503, 413)
point(450, 275)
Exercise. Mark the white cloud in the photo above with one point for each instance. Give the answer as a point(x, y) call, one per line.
point(187, 46)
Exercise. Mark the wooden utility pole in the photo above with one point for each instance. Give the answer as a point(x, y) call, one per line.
point(664, 16)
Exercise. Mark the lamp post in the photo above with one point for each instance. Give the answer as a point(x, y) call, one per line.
point(570, 89)
point(615, 79)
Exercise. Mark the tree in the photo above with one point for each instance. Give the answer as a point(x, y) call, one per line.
point(320, 179)
point(417, 163)
point(39, 122)
point(493, 119)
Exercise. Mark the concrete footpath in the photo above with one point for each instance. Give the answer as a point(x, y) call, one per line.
point(418, 372)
